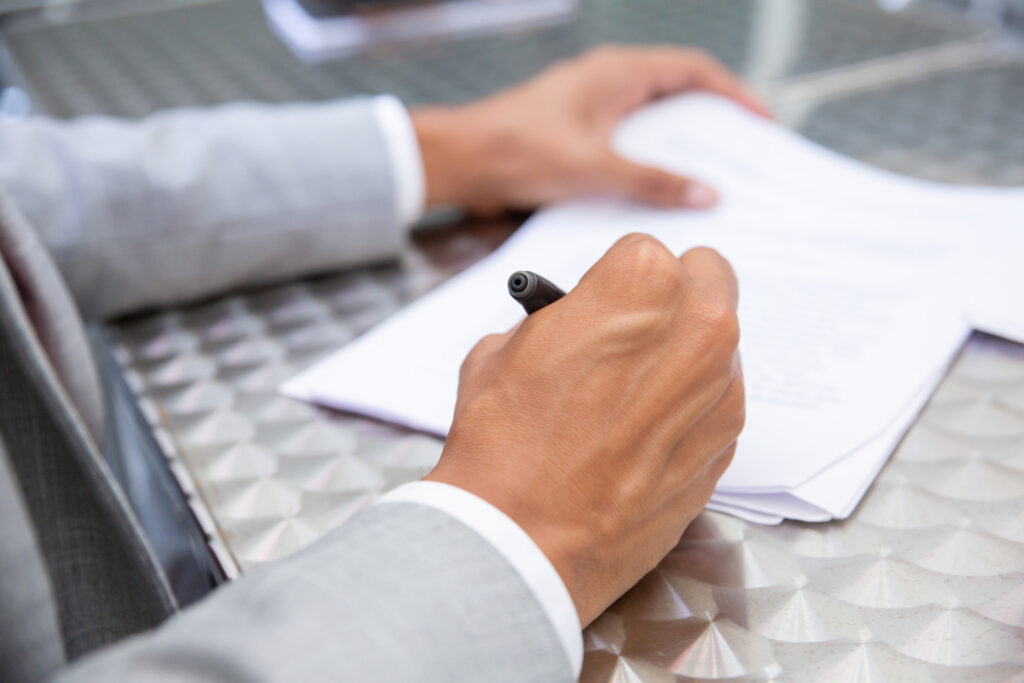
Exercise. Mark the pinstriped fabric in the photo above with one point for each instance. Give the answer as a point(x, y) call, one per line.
point(189, 203)
point(141, 213)
point(105, 582)
point(30, 648)
point(176, 208)
point(401, 592)
point(52, 313)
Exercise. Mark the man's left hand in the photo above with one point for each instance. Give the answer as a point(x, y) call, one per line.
point(548, 139)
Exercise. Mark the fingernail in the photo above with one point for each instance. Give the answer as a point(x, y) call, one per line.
point(698, 196)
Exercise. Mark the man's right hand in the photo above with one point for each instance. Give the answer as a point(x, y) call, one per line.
point(601, 424)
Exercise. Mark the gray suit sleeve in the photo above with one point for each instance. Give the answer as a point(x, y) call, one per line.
point(187, 203)
point(402, 592)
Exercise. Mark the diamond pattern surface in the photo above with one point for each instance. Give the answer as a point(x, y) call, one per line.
point(274, 474)
point(950, 127)
point(924, 582)
point(917, 585)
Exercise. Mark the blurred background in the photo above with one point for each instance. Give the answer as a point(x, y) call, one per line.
point(927, 87)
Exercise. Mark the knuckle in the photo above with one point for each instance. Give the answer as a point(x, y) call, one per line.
point(469, 362)
point(716, 338)
point(707, 260)
point(728, 327)
point(466, 369)
point(634, 238)
point(721, 325)
point(716, 466)
point(651, 259)
point(479, 351)
point(705, 487)
point(721, 464)
point(489, 343)
point(735, 405)
point(703, 254)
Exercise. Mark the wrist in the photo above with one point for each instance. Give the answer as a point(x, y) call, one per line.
point(462, 155)
point(554, 541)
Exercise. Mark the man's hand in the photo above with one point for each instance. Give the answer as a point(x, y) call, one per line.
point(602, 422)
point(548, 139)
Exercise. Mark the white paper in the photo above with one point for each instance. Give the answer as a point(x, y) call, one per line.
point(834, 492)
point(743, 513)
point(848, 311)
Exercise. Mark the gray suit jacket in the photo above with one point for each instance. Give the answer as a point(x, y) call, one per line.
point(106, 216)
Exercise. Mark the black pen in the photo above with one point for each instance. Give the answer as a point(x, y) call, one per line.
point(532, 291)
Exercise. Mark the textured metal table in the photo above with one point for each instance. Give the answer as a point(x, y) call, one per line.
point(924, 582)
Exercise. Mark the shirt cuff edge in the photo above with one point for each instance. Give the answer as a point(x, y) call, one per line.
point(514, 544)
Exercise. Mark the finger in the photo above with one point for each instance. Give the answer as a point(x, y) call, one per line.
point(654, 186)
point(698, 491)
point(640, 269)
point(702, 487)
point(680, 507)
point(673, 70)
point(713, 275)
point(719, 427)
point(710, 75)
point(491, 343)
point(485, 348)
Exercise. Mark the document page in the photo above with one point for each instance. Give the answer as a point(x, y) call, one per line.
point(837, 337)
point(848, 310)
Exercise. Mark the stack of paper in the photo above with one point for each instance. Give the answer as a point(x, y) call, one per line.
point(857, 289)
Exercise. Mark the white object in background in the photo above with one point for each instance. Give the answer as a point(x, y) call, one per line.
point(314, 39)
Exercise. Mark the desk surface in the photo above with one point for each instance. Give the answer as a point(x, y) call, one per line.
point(925, 579)
point(924, 582)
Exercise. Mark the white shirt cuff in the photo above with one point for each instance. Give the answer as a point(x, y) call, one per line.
point(404, 157)
point(514, 544)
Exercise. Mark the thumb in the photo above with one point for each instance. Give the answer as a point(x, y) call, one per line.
point(654, 186)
